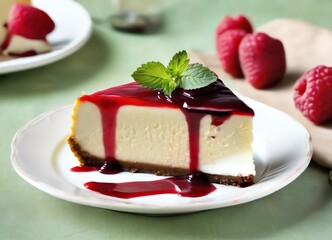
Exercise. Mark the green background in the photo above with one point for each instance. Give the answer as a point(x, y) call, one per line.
point(301, 210)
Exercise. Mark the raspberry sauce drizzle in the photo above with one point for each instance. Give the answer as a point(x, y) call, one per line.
point(215, 99)
point(193, 130)
point(193, 185)
point(84, 169)
point(109, 167)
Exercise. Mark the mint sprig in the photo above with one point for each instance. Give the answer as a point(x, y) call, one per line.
point(178, 73)
point(155, 76)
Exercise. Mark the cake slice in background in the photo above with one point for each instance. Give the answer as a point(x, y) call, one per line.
point(5, 6)
point(25, 29)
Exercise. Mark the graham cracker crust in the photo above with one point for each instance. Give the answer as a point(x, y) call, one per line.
point(86, 159)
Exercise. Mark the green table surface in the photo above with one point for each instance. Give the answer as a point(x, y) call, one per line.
point(301, 210)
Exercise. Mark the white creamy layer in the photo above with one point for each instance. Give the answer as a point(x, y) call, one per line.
point(19, 44)
point(155, 135)
point(160, 136)
point(227, 148)
point(88, 129)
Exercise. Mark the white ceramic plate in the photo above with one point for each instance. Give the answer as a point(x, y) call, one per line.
point(73, 29)
point(282, 151)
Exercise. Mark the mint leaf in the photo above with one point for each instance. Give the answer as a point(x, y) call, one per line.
point(169, 87)
point(155, 76)
point(178, 73)
point(178, 64)
point(197, 76)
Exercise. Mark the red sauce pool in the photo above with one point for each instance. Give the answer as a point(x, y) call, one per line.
point(194, 185)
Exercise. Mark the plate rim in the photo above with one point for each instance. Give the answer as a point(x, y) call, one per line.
point(56, 55)
point(148, 209)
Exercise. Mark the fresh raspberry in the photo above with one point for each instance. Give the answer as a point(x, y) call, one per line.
point(313, 94)
point(29, 22)
point(228, 51)
point(239, 22)
point(262, 60)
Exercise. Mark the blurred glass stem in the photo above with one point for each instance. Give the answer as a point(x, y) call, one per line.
point(139, 16)
point(135, 22)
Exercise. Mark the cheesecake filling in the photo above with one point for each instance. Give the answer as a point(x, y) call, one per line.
point(151, 137)
point(142, 125)
point(20, 45)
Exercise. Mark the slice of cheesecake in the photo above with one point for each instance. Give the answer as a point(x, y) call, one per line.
point(24, 29)
point(207, 130)
point(5, 6)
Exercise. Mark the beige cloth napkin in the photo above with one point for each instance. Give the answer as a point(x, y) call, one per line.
point(306, 46)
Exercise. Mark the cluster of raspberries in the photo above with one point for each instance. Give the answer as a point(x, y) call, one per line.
point(261, 60)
